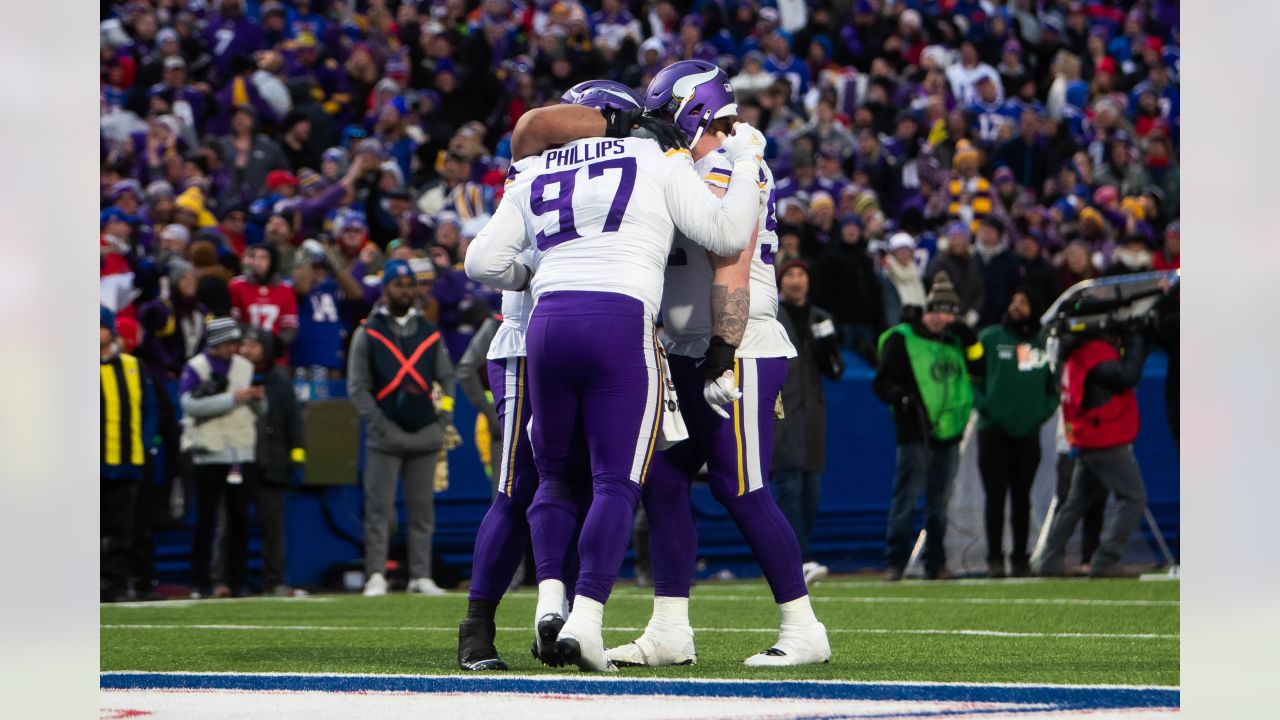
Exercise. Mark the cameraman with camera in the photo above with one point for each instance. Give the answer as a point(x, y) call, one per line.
point(220, 430)
point(1100, 413)
point(926, 367)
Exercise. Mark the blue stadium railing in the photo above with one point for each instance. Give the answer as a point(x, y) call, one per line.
point(323, 523)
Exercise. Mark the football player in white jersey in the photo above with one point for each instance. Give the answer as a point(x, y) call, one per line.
point(500, 540)
point(721, 315)
point(600, 214)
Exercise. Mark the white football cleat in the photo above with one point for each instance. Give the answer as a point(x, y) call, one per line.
point(424, 586)
point(586, 650)
point(375, 586)
point(813, 572)
point(803, 646)
point(657, 647)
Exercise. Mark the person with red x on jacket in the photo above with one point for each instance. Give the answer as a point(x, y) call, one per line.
point(396, 358)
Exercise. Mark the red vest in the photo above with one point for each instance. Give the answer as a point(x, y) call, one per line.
point(1113, 423)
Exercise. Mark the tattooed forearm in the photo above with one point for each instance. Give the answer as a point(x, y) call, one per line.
point(729, 312)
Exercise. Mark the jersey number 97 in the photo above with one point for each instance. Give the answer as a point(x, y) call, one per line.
point(562, 203)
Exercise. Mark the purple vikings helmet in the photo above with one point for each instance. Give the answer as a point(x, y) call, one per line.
point(600, 94)
point(691, 93)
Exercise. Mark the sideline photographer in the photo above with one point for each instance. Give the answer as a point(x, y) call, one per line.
point(1100, 410)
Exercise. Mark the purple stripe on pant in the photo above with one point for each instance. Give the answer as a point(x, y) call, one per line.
point(738, 456)
point(593, 370)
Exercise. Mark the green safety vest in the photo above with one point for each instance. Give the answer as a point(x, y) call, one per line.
point(943, 380)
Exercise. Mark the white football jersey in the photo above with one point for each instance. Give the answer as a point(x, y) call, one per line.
point(600, 215)
point(686, 295)
point(508, 341)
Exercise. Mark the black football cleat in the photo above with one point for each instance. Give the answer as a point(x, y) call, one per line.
point(475, 646)
point(544, 641)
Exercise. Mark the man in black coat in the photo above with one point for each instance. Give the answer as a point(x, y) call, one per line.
point(281, 443)
point(1028, 154)
point(999, 271)
point(1036, 276)
point(845, 281)
point(799, 445)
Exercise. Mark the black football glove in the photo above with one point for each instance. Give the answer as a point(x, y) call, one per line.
point(621, 123)
point(719, 358)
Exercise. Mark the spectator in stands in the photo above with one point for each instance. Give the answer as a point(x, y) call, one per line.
point(394, 361)
point(281, 446)
point(962, 269)
point(1170, 256)
point(249, 154)
point(218, 400)
point(212, 278)
point(1133, 256)
point(1028, 153)
point(1014, 399)
point(281, 228)
point(173, 323)
point(904, 297)
point(1036, 275)
point(295, 142)
point(1120, 171)
point(799, 446)
point(965, 75)
point(322, 286)
point(129, 426)
point(261, 299)
point(1100, 414)
point(846, 282)
point(970, 192)
point(1077, 265)
point(999, 270)
point(924, 376)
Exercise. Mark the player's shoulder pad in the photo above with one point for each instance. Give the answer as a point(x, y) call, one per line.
point(676, 155)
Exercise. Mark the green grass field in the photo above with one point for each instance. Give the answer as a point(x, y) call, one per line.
point(1059, 631)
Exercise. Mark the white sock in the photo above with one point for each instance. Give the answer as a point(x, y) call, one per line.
point(798, 612)
point(670, 612)
point(587, 616)
point(551, 599)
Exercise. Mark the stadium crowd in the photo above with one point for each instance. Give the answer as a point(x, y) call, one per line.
point(263, 161)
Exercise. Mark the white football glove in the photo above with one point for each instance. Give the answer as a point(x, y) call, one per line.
point(721, 391)
point(746, 143)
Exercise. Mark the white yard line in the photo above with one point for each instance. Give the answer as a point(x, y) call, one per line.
point(699, 596)
point(190, 602)
point(851, 631)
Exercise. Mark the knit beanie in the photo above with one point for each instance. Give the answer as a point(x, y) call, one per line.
point(794, 263)
point(942, 296)
point(221, 330)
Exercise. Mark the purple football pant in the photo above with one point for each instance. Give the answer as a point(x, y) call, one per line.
point(593, 364)
point(504, 532)
point(738, 453)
